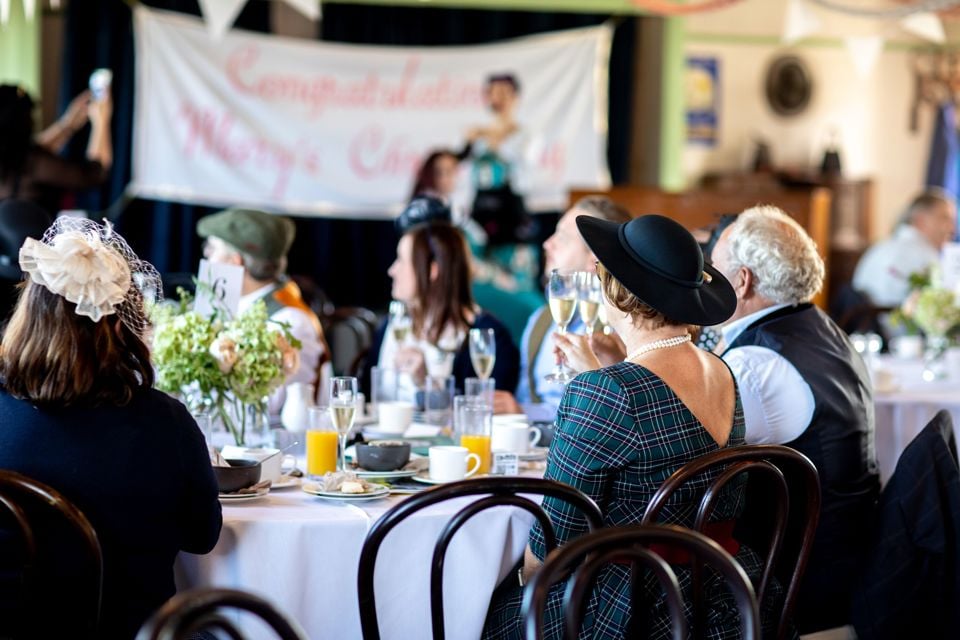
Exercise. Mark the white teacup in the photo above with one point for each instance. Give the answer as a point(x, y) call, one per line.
point(271, 460)
point(907, 347)
point(394, 417)
point(514, 436)
point(448, 463)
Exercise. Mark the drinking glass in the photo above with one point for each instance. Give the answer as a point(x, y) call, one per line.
point(589, 299)
point(480, 388)
point(602, 319)
point(562, 298)
point(483, 352)
point(472, 421)
point(343, 409)
point(400, 321)
point(323, 442)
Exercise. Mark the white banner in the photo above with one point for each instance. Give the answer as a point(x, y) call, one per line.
point(331, 129)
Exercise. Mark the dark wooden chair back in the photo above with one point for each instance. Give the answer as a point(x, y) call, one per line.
point(33, 507)
point(499, 492)
point(776, 463)
point(587, 555)
point(191, 612)
point(349, 332)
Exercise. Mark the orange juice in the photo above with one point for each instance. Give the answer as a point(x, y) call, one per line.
point(321, 452)
point(480, 445)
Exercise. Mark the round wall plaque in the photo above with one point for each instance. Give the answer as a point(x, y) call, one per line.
point(789, 86)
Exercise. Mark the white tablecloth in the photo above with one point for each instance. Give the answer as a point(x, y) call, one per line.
point(904, 404)
point(301, 552)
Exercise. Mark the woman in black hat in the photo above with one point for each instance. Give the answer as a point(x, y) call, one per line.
point(623, 429)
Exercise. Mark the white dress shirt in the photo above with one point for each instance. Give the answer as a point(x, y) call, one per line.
point(777, 403)
point(301, 327)
point(884, 269)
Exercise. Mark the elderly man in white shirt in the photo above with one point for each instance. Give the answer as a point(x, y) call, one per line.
point(259, 242)
point(802, 384)
point(884, 270)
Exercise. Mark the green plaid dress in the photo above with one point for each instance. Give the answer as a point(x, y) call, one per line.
point(621, 431)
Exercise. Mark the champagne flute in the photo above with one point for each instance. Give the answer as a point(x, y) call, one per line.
point(562, 299)
point(400, 322)
point(602, 319)
point(483, 352)
point(588, 299)
point(343, 408)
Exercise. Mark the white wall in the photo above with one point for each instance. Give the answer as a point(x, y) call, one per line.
point(870, 115)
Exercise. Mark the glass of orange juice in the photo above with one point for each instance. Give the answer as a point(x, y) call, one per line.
point(322, 442)
point(472, 419)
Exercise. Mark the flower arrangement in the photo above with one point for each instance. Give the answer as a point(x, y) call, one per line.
point(930, 307)
point(227, 366)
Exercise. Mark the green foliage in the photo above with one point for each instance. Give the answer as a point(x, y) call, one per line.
point(224, 365)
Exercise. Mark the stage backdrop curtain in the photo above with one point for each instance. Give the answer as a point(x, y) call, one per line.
point(348, 259)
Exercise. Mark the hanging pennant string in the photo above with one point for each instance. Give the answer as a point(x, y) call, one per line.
point(668, 8)
point(923, 6)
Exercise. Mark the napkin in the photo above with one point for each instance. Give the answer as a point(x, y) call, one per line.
point(252, 489)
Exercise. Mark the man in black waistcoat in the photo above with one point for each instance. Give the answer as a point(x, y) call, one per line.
point(803, 385)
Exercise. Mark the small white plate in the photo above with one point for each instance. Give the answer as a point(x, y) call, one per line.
point(424, 477)
point(385, 475)
point(535, 453)
point(286, 482)
point(379, 491)
point(374, 432)
point(242, 497)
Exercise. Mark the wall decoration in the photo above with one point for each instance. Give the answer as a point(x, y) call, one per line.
point(702, 100)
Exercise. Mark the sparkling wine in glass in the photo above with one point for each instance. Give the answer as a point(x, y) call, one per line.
point(343, 409)
point(483, 352)
point(589, 299)
point(562, 300)
point(400, 321)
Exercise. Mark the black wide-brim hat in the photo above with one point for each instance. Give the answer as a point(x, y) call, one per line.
point(658, 261)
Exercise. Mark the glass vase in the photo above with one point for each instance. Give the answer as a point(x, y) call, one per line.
point(247, 422)
point(934, 358)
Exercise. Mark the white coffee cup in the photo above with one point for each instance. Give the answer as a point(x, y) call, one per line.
point(271, 460)
point(517, 437)
point(394, 417)
point(907, 347)
point(448, 463)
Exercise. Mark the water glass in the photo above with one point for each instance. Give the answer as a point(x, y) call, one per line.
point(480, 388)
point(438, 392)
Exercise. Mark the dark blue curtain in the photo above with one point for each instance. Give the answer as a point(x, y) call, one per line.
point(348, 259)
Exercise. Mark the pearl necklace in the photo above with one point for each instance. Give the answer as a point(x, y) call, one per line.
point(663, 343)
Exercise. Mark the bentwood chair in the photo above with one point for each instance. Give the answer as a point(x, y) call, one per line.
point(787, 472)
point(640, 546)
point(191, 612)
point(499, 492)
point(349, 332)
point(50, 550)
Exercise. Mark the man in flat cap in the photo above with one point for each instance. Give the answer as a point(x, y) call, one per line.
point(259, 243)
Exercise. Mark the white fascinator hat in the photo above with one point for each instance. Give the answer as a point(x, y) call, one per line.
point(92, 266)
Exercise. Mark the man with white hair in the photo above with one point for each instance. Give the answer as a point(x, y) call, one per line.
point(803, 385)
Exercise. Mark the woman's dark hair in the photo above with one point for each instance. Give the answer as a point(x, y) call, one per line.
point(446, 299)
point(52, 356)
point(426, 181)
point(16, 129)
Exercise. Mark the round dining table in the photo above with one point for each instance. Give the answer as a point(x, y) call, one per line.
point(905, 402)
point(301, 552)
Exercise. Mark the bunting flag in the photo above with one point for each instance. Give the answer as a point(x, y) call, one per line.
point(925, 25)
point(673, 8)
point(29, 8)
point(864, 51)
point(220, 14)
point(799, 22)
point(309, 8)
point(4, 12)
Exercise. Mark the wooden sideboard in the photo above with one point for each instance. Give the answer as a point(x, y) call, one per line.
point(701, 207)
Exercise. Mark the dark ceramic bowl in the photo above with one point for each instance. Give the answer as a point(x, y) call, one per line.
point(383, 456)
point(240, 474)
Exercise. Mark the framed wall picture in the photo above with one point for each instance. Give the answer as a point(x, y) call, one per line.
point(702, 100)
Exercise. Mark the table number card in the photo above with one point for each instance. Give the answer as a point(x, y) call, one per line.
point(218, 289)
point(505, 463)
point(950, 265)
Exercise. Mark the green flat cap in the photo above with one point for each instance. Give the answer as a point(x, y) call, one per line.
point(259, 234)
